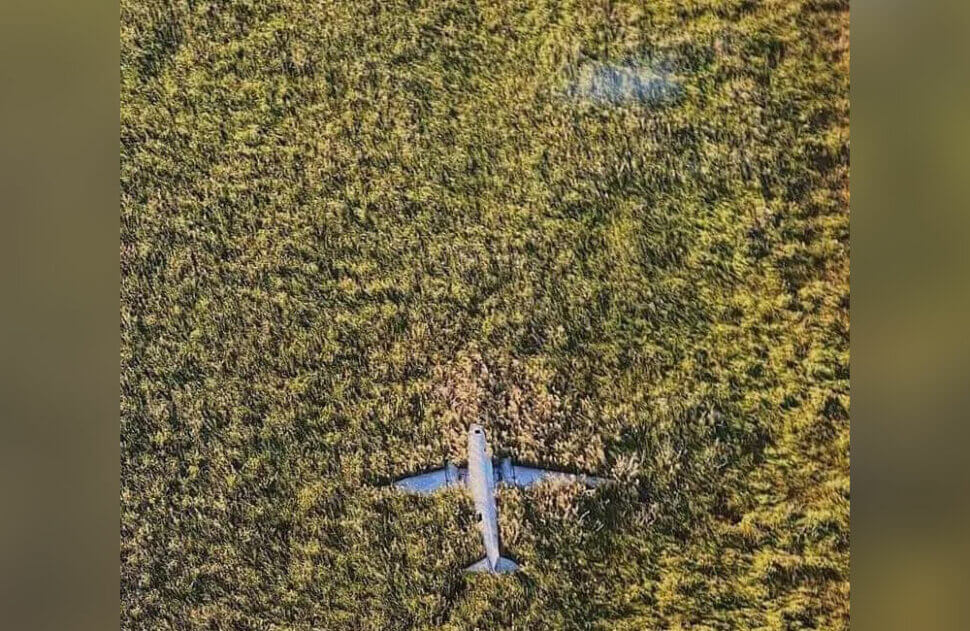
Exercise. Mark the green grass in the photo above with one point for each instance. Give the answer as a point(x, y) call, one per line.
point(350, 229)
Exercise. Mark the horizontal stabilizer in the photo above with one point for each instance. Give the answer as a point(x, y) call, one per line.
point(503, 566)
point(506, 566)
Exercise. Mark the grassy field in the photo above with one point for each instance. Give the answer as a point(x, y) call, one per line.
point(613, 232)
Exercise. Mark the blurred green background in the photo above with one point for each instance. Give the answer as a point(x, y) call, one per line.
point(59, 386)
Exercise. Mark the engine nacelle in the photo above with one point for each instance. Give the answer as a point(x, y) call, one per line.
point(507, 472)
point(452, 476)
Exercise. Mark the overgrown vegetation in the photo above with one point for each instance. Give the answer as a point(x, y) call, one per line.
point(616, 233)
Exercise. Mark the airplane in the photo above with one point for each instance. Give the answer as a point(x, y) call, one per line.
point(480, 478)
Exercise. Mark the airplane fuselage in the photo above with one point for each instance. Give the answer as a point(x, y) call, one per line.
point(481, 486)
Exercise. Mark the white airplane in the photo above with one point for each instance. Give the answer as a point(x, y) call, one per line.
point(480, 479)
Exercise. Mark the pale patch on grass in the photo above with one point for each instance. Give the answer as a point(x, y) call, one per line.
point(628, 82)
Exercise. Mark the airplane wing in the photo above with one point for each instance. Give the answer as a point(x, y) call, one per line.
point(432, 481)
point(517, 475)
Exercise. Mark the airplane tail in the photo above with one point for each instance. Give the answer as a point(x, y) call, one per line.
point(503, 566)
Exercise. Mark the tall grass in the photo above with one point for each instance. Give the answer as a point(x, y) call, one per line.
point(616, 233)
